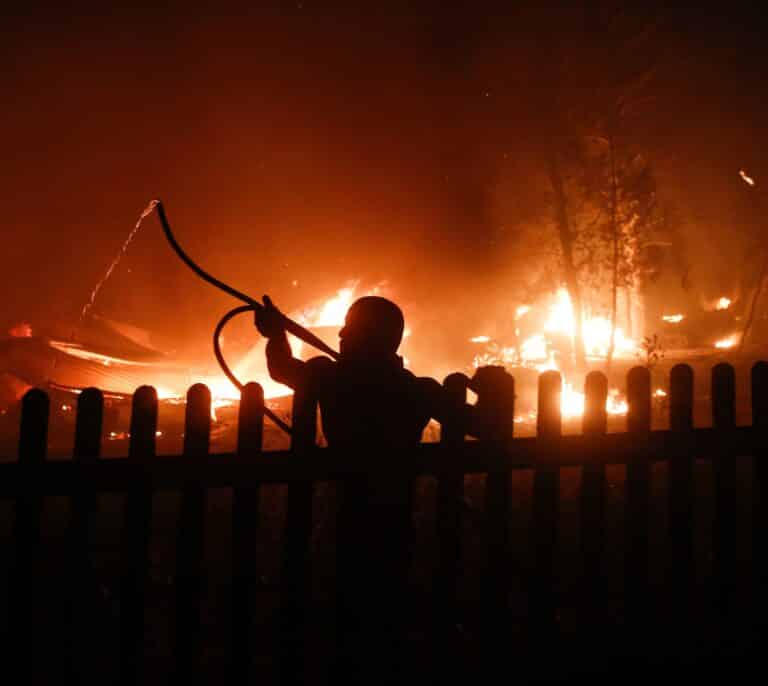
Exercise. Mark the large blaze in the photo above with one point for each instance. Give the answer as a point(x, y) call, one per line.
point(538, 352)
point(549, 327)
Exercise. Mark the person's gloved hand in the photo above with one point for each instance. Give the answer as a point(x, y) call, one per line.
point(269, 320)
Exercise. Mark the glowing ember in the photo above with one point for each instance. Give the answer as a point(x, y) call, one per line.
point(748, 179)
point(522, 311)
point(123, 435)
point(726, 343)
point(673, 318)
point(659, 393)
point(723, 303)
point(480, 339)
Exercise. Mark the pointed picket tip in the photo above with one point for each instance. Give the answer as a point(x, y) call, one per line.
point(250, 419)
point(89, 424)
point(143, 423)
point(33, 428)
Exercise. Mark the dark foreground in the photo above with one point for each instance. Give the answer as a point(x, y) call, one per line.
point(583, 641)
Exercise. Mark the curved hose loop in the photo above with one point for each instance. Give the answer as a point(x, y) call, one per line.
point(290, 326)
point(251, 306)
point(225, 367)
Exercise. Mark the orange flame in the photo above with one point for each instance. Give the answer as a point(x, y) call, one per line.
point(723, 303)
point(725, 343)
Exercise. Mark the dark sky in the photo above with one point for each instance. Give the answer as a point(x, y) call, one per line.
point(300, 141)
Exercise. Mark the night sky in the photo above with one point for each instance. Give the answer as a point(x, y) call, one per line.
point(299, 142)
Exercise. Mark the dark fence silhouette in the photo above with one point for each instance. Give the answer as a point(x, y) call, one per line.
point(141, 473)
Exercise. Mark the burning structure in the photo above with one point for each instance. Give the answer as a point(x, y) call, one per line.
point(574, 233)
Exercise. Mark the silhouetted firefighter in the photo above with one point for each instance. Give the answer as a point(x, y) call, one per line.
point(375, 409)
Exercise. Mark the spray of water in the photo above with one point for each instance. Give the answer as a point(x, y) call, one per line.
point(88, 305)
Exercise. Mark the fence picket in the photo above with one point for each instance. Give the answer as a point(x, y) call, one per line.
point(724, 549)
point(592, 531)
point(759, 380)
point(245, 519)
point(497, 494)
point(296, 543)
point(636, 563)
point(87, 449)
point(681, 489)
point(189, 544)
point(449, 495)
point(546, 502)
point(88, 425)
point(33, 450)
point(138, 517)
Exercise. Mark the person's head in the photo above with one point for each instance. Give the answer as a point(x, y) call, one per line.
point(373, 326)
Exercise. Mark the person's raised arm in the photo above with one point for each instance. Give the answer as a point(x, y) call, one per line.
point(282, 365)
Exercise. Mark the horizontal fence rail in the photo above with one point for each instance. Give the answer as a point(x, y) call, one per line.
point(141, 473)
point(319, 464)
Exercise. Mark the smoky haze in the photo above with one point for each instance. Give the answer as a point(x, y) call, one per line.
point(296, 148)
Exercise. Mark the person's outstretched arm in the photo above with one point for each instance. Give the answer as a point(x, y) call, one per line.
point(282, 365)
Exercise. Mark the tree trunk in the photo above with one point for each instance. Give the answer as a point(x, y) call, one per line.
point(615, 237)
point(570, 275)
point(754, 300)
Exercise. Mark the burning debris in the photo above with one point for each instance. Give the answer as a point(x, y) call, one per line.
point(548, 346)
point(747, 179)
point(723, 303)
point(726, 343)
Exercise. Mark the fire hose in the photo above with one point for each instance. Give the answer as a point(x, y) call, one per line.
point(251, 305)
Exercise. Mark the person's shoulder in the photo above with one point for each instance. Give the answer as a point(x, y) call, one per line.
point(321, 364)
